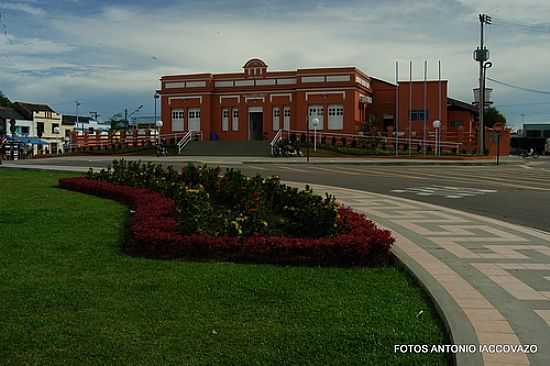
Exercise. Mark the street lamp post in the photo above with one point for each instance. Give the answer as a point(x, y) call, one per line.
point(315, 125)
point(156, 97)
point(482, 100)
point(307, 142)
point(156, 100)
point(437, 128)
point(12, 130)
point(158, 125)
point(77, 104)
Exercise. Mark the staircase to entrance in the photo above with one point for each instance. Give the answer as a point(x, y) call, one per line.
point(227, 148)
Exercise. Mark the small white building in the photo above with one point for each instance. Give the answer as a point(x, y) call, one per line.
point(46, 126)
point(86, 124)
point(23, 127)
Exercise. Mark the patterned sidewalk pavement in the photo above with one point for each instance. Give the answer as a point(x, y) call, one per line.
point(489, 279)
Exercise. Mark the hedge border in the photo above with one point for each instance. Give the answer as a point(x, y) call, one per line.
point(153, 234)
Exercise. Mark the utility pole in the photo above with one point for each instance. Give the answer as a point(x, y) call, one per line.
point(77, 104)
point(481, 55)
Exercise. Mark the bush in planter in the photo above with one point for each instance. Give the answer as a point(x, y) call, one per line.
point(153, 234)
point(257, 205)
point(193, 210)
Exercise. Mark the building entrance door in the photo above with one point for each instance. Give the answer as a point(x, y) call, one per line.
point(256, 125)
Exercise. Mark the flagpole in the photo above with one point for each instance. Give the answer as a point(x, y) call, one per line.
point(439, 111)
point(410, 104)
point(397, 109)
point(425, 101)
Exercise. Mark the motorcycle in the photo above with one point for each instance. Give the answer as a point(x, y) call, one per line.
point(527, 155)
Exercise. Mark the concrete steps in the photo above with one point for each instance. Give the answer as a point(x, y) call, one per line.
point(227, 148)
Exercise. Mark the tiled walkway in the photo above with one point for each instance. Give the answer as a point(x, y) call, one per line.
point(490, 279)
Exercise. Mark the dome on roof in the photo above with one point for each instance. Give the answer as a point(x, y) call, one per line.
point(254, 62)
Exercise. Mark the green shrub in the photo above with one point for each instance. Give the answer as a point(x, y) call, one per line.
point(231, 203)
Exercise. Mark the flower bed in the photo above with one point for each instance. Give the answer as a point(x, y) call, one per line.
point(154, 234)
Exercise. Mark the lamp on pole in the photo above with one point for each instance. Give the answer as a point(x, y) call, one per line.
point(481, 55)
point(158, 125)
point(156, 97)
point(437, 128)
point(77, 104)
point(307, 142)
point(156, 100)
point(12, 130)
point(315, 125)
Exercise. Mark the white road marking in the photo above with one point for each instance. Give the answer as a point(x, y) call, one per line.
point(334, 170)
point(256, 167)
point(289, 168)
point(445, 191)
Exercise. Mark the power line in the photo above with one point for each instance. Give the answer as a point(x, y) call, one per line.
point(519, 87)
point(521, 104)
point(534, 27)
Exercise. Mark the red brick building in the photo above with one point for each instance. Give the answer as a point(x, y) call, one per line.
point(256, 103)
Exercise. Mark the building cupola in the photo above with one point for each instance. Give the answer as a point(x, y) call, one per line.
point(254, 68)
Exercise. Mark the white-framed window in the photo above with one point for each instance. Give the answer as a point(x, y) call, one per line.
point(338, 78)
point(178, 120)
point(276, 119)
point(225, 119)
point(286, 81)
point(235, 120)
point(313, 79)
point(286, 123)
point(194, 119)
point(335, 117)
point(316, 111)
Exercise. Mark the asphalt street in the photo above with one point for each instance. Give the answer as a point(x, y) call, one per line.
point(518, 193)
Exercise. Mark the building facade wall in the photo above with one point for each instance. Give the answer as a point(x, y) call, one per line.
point(434, 104)
point(49, 120)
point(335, 93)
point(361, 103)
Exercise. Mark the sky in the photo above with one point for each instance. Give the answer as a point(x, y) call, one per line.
point(109, 55)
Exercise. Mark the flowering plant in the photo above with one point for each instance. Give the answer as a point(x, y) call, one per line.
point(154, 233)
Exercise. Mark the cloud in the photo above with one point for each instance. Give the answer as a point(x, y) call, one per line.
point(121, 51)
point(12, 45)
point(24, 7)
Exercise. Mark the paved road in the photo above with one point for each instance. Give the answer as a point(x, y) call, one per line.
point(515, 193)
point(518, 193)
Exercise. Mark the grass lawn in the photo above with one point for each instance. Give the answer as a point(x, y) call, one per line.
point(69, 296)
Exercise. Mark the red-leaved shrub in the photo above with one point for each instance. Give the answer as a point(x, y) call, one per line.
point(153, 234)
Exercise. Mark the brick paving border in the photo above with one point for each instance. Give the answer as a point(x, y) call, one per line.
point(489, 279)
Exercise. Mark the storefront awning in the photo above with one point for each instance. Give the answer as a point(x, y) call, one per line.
point(26, 140)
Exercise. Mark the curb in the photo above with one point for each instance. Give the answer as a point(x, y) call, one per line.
point(380, 163)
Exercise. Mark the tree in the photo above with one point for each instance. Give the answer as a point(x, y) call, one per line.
point(117, 122)
point(4, 101)
point(492, 116)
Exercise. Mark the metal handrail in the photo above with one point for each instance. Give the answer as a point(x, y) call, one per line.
point(384, 139)
point(276, 139)
point(187, 138)
point(183, 141)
